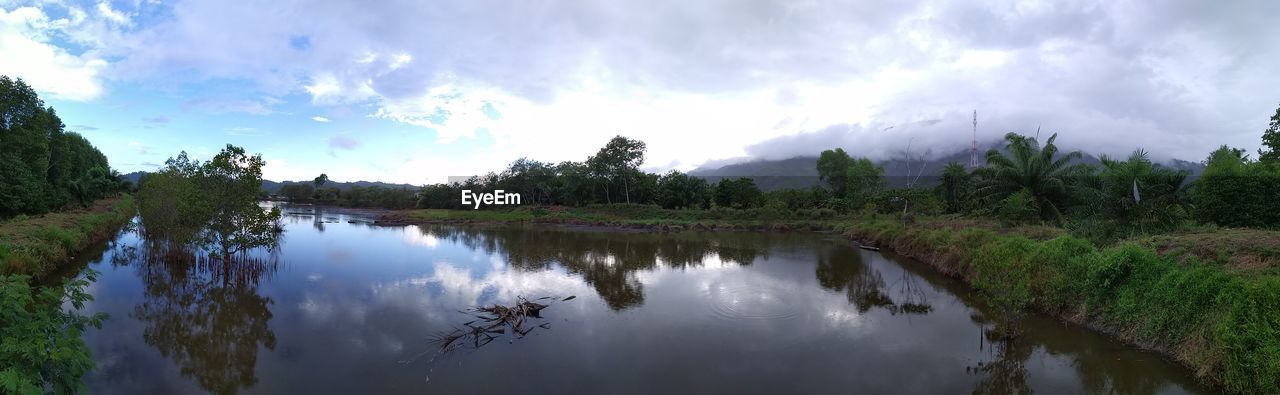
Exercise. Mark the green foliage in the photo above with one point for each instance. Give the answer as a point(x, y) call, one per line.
point(1003, 275)
point(1039, 172)
point(833, 168)
point(40, 343)
point(1219, 322)
point(856, 180)
point(955, 187)
point(678, 190)
point(1250, 337)
point(741, 193)
point(1020, 207)
point(210, 205)
point(1270, 153)
point(617, 164)
point(42, 167)
point(917, 201)
point(1132, 197)
point(1236, 191)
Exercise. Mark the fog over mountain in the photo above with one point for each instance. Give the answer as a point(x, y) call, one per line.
point(415, 92)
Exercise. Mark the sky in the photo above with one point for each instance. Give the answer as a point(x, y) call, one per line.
point(417, 91)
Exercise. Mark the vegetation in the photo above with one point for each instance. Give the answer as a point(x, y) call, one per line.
point(210, 206)
point(41, 347)
point(1028, 178)
point(34, 246)
point(42, 167)
point(1218, 321)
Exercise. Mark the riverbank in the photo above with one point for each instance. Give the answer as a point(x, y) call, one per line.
point(621, 216)
point(36, 245)
point(1207, 300)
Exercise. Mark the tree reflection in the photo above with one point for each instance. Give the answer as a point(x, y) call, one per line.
point(841, 269)
point(205, 314)
point(609, 260)
point(1007, 373)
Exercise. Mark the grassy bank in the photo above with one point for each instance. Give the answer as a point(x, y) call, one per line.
point(1208, 300)
point(629, 216)
point(35, 245)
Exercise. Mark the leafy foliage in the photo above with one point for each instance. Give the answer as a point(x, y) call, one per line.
point(43, 167)
point(208, 205)
point(1237, 191)
point(1038, 172)
point(40, 342)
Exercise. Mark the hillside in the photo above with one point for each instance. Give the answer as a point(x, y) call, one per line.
point(273, 186)
point(801, 172)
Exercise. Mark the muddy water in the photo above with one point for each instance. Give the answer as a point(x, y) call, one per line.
point(344, 307)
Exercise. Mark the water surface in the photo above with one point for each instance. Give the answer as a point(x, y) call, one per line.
point(345, 307)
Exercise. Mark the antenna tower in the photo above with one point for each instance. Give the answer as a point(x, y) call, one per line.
point(973, 155)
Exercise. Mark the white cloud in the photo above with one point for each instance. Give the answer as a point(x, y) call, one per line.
point(320, 119)
point(554, 80)
point(25, 46)
point(104, 9)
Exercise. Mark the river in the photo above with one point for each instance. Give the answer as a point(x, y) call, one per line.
point(346, 307)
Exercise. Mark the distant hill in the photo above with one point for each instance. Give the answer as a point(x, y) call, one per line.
point(802, 171)
point(273, 186)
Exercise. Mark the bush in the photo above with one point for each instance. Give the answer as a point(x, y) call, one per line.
point(42, 345)
point(1003, 275)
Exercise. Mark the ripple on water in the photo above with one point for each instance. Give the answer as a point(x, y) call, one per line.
point(751, 301)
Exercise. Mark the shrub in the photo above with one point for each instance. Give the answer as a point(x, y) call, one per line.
point(51, 352)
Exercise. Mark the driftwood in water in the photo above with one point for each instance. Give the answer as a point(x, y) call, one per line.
point(494, 321)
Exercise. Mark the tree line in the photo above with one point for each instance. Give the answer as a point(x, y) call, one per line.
point(1028, 181)
point(43, 167)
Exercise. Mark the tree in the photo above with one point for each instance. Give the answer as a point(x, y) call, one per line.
point(42, 167)
point(833, 168)
point(211, 205)
point(1271, 140)
point(1137, 196)
point(1040, 172)
point(863, 178)
point(1237, 191)
point(955, 187)
point(740, 193)
point(679, 190)
point(617, 161)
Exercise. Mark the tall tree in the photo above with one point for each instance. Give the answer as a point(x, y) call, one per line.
point(618, 161)
point(1039, 173)
point(1271, 141)
point(955, 187)
point(833, 168)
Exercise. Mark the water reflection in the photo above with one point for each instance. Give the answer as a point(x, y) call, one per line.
point(607, 260)
point(205, 314)
point(339, 306)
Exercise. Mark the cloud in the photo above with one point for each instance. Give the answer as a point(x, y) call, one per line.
point(139, 148)
point(342, 141)
point(159, 120)
point(320, 119)
point(27, 46)
point(83, 127)
point(242, 131)
point(223, 105)
point(718, 79)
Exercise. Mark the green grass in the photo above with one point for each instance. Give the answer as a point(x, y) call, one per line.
point(35, 245)
point(1210, 315)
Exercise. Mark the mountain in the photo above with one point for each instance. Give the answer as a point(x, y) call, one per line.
point(273, 186)
point(802, 171)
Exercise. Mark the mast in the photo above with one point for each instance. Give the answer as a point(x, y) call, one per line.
point(973, 155)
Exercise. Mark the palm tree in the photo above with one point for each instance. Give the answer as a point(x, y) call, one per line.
point(955, 186)
point(1038, 172)
point(1137, 195)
